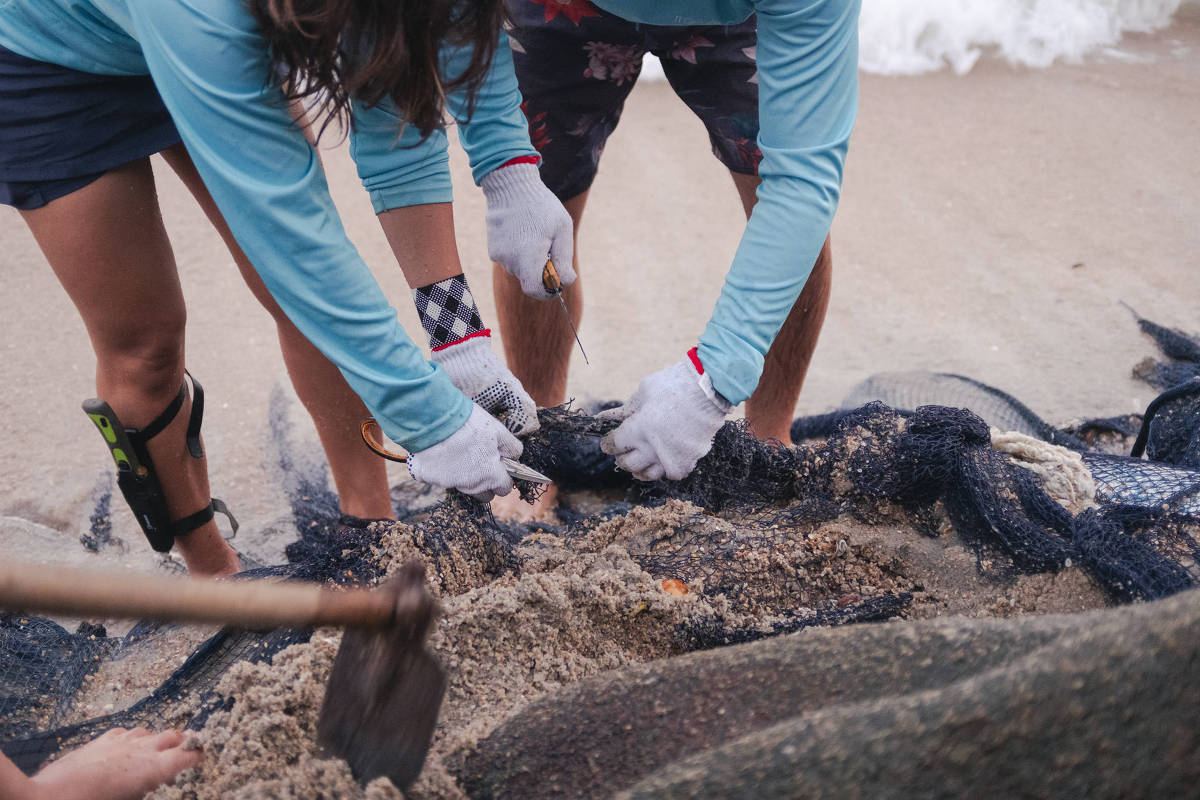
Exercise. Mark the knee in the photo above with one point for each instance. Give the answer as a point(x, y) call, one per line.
point(144, 358)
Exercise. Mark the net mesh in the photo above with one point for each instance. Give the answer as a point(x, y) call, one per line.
point(745, 509)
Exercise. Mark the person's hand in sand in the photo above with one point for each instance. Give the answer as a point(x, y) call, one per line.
point(117, 765)
point(669, 423)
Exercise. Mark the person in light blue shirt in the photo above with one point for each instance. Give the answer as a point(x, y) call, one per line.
point(90, 88)
point(576, 60)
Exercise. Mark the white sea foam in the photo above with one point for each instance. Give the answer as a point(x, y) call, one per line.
point(904, 37)
point(907, 37)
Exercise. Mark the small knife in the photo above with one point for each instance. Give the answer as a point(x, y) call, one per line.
point(554, 286)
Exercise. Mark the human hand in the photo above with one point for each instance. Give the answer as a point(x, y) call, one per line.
point(526, 224)
point(469, 460)
point(668, 425)
point(117, 764)
point(480, 375)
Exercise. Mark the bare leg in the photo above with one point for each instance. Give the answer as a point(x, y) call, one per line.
point(537, 338)
point(537, 345)
point(116, 765)
point(359, 475)
point(107, 245)
point(769, 410)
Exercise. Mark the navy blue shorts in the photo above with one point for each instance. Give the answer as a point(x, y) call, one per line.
point(61, 129)
point(576, 64)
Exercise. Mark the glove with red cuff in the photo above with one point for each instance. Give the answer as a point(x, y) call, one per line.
point(463, 347)
point(526, 224)
point(669, 423)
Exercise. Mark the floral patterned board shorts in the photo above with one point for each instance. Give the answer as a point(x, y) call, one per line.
point(576, 64)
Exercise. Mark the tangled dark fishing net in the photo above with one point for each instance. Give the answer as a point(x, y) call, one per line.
point(1170, 430)
point(751, 502)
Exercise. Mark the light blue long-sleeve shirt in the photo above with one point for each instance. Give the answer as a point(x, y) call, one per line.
point(807, 99)
point(211, 67)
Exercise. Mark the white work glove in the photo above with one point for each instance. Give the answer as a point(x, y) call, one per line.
point(526, 224)
point(669, 424)
point(476, 371)
point(469, 460)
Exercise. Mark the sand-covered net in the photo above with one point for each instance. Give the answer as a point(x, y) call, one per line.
point(676, 619)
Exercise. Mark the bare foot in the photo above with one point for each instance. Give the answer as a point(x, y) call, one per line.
point(511, 508)
point(116, 765)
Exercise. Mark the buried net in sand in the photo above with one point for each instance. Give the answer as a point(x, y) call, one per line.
point(888, 512)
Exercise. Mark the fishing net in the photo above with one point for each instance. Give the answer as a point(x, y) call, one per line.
point(754, 528)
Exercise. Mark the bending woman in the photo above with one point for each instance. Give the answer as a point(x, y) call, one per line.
point(90, 88)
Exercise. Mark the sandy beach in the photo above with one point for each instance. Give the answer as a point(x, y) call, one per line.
point(999, 224)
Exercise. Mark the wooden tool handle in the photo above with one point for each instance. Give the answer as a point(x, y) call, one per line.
point(247, 603)
point(550, 280)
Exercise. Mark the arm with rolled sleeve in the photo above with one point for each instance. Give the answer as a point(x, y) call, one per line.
point(808, 96)
point(399, 168)
point(211, 66)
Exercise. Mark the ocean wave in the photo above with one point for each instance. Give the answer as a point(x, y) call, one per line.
point(908, 37)
point(905, 37)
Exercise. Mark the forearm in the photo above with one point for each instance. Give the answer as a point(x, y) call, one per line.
point(772, 265)
point(14, 783)
point(422, 239)
point(399, 168)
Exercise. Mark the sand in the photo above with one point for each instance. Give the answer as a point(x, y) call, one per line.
point(523, 622)
point(529, 629)
point(529, 622)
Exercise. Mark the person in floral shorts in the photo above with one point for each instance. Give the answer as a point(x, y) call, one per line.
point(575, 65)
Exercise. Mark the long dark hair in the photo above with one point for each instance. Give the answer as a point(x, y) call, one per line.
point(333, 50)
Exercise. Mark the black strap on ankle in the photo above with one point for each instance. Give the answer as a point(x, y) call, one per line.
point(192, 521)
